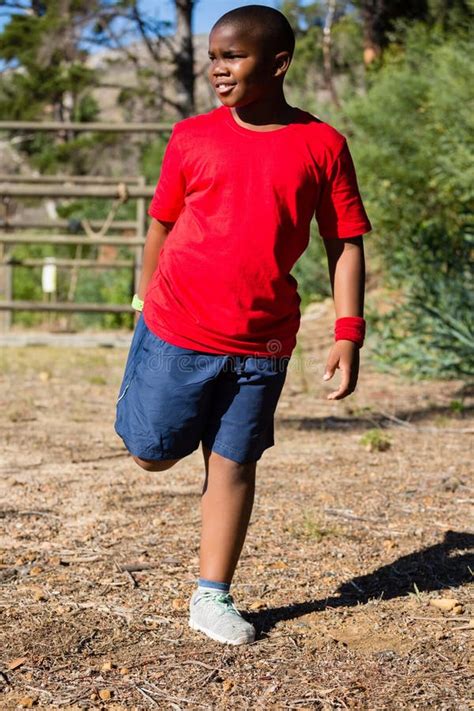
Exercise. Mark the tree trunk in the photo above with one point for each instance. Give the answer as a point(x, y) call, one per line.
point(373, 29)
point(378, 17)
point(327, 53)
point(184, 58)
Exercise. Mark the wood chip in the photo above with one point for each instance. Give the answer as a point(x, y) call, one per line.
point(228, 684)
point(279, 565)
point(39, 595)
point(179, 604)
point(469, 626)
point(17, 662)
point(258, 604)
point(36, 570)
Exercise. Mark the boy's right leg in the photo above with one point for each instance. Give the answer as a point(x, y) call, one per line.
point(163, 399)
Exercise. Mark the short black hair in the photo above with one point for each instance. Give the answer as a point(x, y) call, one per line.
point(271, 25)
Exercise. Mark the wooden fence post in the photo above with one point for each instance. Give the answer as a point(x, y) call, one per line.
point(6, 287)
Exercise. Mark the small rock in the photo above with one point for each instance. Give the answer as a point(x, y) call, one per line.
point(458, 610)
point(27, 702)
point(446, 604)
point(105, 694)
point(386, 655)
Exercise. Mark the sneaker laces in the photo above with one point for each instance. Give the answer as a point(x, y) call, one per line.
point(224, 599)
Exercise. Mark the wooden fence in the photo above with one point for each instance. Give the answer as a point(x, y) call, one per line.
point(15, 231)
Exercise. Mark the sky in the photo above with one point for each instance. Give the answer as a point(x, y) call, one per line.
point(206, 12)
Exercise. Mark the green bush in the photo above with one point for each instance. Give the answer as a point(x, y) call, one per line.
point(413, 147)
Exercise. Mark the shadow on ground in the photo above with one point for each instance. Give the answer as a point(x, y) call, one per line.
point(370, 420)
point(446, 564)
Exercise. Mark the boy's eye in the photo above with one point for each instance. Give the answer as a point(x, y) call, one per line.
point(228, 56)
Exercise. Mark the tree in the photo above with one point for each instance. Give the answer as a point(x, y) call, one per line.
point(163, 62)
point(50, 40)
point(380, 19)
point(328, 48)
point(44, 62)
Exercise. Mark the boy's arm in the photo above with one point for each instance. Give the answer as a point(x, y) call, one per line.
point(347, 273)
point(155, 239)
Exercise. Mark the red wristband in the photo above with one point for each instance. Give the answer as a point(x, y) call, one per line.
point(350, 328)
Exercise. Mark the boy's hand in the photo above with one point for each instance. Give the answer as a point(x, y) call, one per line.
point(345, 356)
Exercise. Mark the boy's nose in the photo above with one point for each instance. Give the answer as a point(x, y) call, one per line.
point(219, 69)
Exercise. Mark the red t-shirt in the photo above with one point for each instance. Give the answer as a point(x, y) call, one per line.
point(242, 203)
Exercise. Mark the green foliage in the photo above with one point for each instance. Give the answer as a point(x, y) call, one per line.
point(47, 76)
point(105, 286)
point(376, 441)
point(152, 157)
point(432, 332)
point(315, 529)
point(94, 285)
point(96, 209)
point(305, 74)
point(311, 271)
point(412, 145)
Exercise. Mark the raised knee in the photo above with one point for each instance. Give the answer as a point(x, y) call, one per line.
point(153, 465)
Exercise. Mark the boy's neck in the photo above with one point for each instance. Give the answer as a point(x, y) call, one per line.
point(266, 113)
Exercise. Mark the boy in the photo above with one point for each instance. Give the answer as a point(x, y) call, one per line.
point(231, 215)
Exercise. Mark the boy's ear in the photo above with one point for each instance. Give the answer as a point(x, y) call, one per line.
point(281, 63)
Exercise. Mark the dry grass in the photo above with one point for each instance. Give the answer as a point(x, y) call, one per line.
point(347, 545)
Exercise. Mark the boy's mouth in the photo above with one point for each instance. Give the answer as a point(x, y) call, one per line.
point(223, 89)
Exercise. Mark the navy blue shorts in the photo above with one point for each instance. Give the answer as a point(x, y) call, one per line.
point(172, 399)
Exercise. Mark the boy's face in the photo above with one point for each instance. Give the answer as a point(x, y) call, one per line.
point(240, 71)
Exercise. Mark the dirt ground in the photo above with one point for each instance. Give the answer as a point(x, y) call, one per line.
point(361, 520)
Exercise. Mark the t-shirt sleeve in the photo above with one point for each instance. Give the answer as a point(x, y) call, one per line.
point(340, 211)
point(168, 200)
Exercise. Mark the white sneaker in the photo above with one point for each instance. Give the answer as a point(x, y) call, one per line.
point(214, 613)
